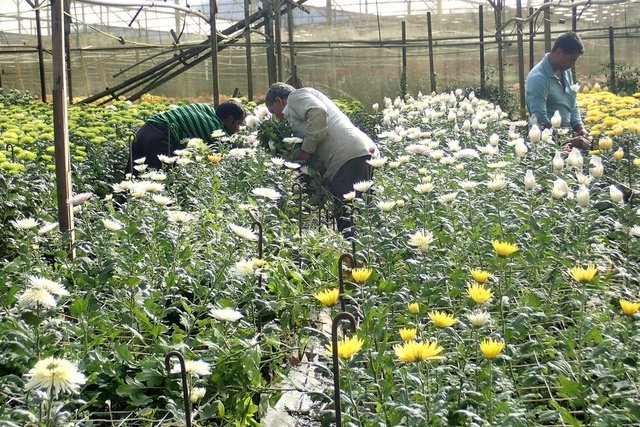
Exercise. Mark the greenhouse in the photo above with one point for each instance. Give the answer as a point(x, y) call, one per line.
point(319, 213)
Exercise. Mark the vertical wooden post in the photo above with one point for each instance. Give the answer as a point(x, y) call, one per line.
point(547, 27)
point(215, 89)
point(247, 46)
point(43, 84)
point(612, 62)
point(481, 37)
point(497, 11)
point(403, 76)
point(278, 38)
point(432, 74)
point(292, 53)
point(268, 31)
point(67, 47)
point(531, 39)
point(520, 38)
point(60, 127)
point(574, 27)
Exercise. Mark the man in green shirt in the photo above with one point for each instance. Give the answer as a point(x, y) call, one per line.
point(165, 132)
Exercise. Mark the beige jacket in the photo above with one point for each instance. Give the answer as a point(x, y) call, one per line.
point(326, 131)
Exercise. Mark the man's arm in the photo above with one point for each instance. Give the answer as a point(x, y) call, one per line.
point(316, 117)
point(537, 91)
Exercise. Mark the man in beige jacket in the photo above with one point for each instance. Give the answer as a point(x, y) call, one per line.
point(328, 134)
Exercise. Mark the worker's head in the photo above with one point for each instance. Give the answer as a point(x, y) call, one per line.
point(566, 50)
point(232, 115)
point(276, 98)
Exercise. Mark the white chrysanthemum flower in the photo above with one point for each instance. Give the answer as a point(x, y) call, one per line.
point(386, 206)
point(47, 227)
point(426, 179)
point(467, 153)
point(50, 286)
point(37, 298)
point(292, 165)
point(498, 182)
point(244, 232)
point(226, 314)
point(394, 165)
point(194, 367)
point(560, 189)
point(635, 231)
point(55, 375)
point(122, 186)
point(448, 198)
point(468, 185)
point(140, 161)
point(292, 140)
point(529, 180)
point(436, 154)
point(111, 225)
point(196, 143)
point(183, 161)
point(377, 162)
point(498, 165)
point(417, 149)
point(349, 196)
point(197, 393)
point(243, 268)
point(424, 188)
point(180, 216)
point(278, 161)
point(79, 199)
point(615, 194)
point(583, 179)
point(478, 318)
point(582, 196)
point(404, 159)
point(245, 207)
point(261, 112)
point(138, 193)
point(251, 121)
point(157, 176)
point(161, 200)
point(25, 223)
point(421, 239)
point(488, 150)
point(494, 139)
point(218, 133)
point(167, 159)
point(362, 186)
point(267, 193)
point(558, 162)
point(141, 168)
point(150, 186)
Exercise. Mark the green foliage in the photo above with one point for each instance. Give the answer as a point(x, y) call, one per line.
point(627, 78)
point(15, 97)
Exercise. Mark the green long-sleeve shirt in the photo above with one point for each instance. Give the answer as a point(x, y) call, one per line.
point(190, 121)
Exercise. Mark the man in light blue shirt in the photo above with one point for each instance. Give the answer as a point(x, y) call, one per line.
point(550, 88)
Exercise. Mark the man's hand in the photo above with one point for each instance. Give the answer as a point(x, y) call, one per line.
point(580, 142)
point(303, 155)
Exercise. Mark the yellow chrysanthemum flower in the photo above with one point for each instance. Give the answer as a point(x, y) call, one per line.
point(491, 348)
point(583, 275)
point(407, 352)
point(347, 347)
point(429, 350)
point(214, 158)
point(636, 161)
point(414, 308)
point(619, 154)
point(328, 297)
point(479, 293)
point(504, 248)
point(360, 275)
point(480, 276)
point(408, 334)
point(442, 319)
point(412, 351)
point(628, 307)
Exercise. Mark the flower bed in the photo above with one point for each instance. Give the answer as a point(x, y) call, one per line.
point(504, 274)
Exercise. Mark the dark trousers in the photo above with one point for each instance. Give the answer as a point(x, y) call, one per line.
point(355, 170)
point(151, 139)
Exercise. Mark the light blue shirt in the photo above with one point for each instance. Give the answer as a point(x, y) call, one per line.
point(546, 94)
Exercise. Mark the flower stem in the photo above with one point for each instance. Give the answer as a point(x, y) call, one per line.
point(353, 402)
point(490, 415)
point(425, 384)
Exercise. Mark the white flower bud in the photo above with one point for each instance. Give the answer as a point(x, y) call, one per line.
point(556, 120)
point(582, 196)
point(558, 163)
point(529, 180)
point(615, 194)
point(534, 134)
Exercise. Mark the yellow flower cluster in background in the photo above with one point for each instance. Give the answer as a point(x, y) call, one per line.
point(608, 113)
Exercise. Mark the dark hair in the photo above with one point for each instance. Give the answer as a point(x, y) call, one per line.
point(278, 90)
point(230, 107)
point(569, 42)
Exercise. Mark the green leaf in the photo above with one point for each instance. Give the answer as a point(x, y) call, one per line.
point(566, 415)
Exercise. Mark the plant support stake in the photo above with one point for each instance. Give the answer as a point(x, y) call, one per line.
point(185, 386)
point(352, 261)
point(336, 366)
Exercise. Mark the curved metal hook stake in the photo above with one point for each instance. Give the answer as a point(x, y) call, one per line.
point(258, 224)
point(340, 278)
point(13, 154)
point(336, 367)
point(185, 385)
point(298, 186)
point(132, 138)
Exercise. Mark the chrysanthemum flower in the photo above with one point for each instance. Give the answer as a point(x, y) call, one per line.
point(479, 293)
point(197, 393)
point(347, 347)
point(243, 268)
point(47, 227)
point(179, 216)
point(55, 375)
point(328, 297)
point(583, 275)
point(406, 352)
point(414, 308)
point(408, 334)
point(478, 318)
point(161, 200)
point(628, 307)
point(429, 350)
point(448, 198)
point(412, 351)
point(244, 232)
point(424, 188)
point(386, 206)
point(292, 140)
point(360, 275)
point(421, 239)
point(504, 248)
point(267, 193)
point(278, 161)
point(480, 276)
point(362, 186)
point(37, 298)
point(25, 224)
point(377, 162)
point(50, 286)
point(442, 319)
point(195, 367)
point(491, 348)
point(218, 133)
point(225, 314)
point(79, 199)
